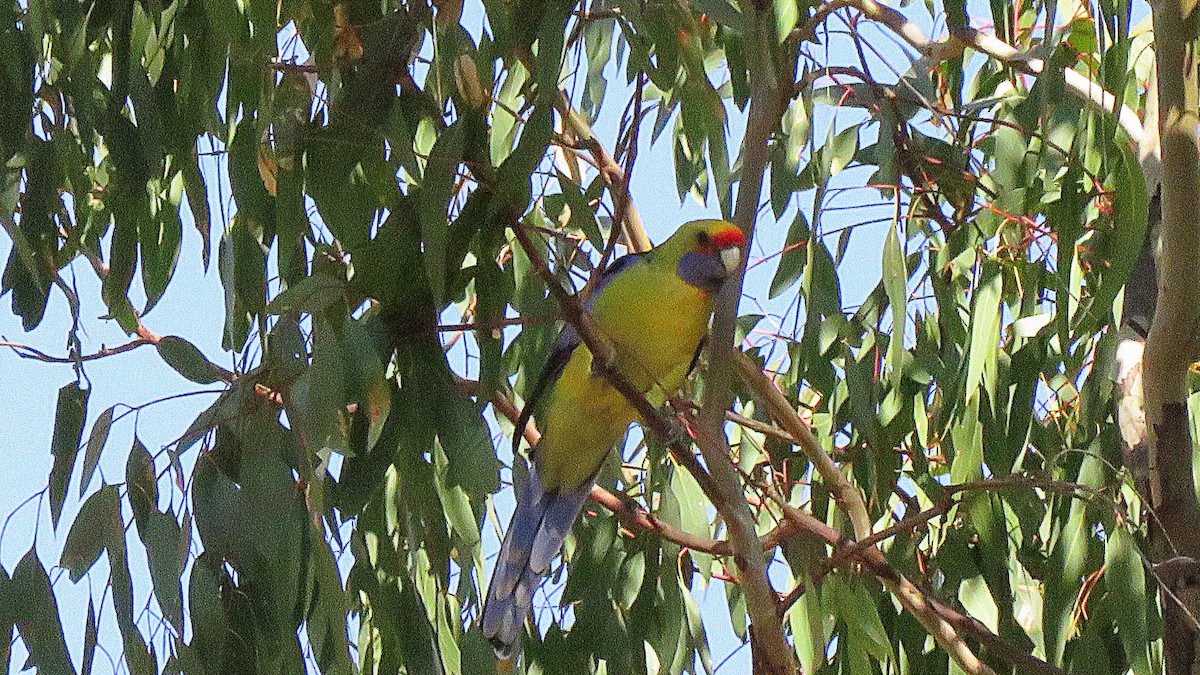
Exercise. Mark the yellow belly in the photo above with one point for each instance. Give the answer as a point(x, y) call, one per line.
point(655, 321)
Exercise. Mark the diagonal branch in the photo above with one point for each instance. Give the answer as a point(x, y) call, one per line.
point(658, 424)
point(962, 37)
point(849, 498)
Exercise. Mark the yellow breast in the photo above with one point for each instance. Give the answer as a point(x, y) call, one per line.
point(655, 322)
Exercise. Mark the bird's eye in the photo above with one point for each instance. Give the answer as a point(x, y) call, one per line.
point(703, 239)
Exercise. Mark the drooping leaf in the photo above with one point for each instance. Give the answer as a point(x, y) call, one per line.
point(90, 639)
point(96, 525)
point(31, 603)
point(1126, 579)
point(167, 548)
point(95, 446)
point(141, 481)
point(187, 360)
point(69, 419)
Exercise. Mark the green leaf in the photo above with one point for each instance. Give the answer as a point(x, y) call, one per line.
point(863, 621)
point(597, 41)
point(441, 175)
point(187, 360)
point(31, 602)
point(69, 417)
point(90, 634)
point(1125, 578)
point(197, 200)
point(211, 639)
point(321, 391)
point(1130, 214)
point(167, 549)
point(683, 506)
point(985, 328)
point(736, 600)
point(16, 84)
point(97, 522)
point(128, 198)
point(1070, 539)
point(95, 446)
point(464, 435)
point(840, 149)
point(794, 256)
point(7, 620)
point(138, 656)
point(895, 283)
point(456, 503)
point(327, 616)
point(159, 240)
point(313, 294)
point(966, 437)
point(34, 238)
point(141, 481)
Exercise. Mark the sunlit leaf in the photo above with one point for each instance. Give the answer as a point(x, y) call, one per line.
point(187, 360)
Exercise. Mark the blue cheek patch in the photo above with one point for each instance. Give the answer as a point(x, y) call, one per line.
point(702, 270)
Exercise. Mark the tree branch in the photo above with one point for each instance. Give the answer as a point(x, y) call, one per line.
point(849, 498)
point(27, 352)
point(771, 652)
point(1172, 338)
point(962, 37)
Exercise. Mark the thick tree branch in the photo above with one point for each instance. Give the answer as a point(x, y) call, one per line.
point(1172, 338)
point(771, 654)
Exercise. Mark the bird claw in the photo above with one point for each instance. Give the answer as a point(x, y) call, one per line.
point(606, 362)
point(679, 434)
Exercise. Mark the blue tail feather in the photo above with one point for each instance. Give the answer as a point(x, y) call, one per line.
point(535, 535)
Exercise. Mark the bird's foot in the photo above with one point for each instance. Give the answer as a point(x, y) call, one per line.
point(605, 362)
point(680, 433)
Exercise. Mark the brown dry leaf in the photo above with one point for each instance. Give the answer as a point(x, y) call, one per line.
point(267, 168)
point(347, 43)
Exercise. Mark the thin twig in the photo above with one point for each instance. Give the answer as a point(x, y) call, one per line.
point(27, 352)
point(962, 37)
point(620, 196)
point(614, 175)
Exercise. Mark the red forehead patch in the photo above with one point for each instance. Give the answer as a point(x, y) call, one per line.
point(728, 236)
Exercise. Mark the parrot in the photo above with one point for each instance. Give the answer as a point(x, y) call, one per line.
point(653, 308)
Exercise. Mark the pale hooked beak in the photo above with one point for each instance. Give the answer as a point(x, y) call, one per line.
point(730, 258)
